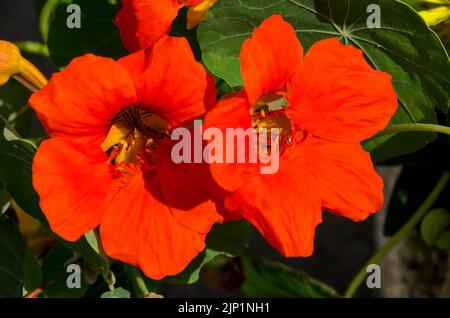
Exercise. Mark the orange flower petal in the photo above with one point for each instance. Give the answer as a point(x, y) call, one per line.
point(81, 101)
point(270, 58)
point(143, 22)
point(173, 85)
point(183, 189)
point(351, 186)
point(285, 207)
point(72, 181)
point(338, 96)
point(140, 229)
point(231, 112)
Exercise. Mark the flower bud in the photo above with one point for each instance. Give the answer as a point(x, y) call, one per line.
point(10, 60)
point(12, 63)
point(197, 13)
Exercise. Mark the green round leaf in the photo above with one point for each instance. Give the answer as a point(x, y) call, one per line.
point(434, 224)
point(269, 279)
point(444, 241)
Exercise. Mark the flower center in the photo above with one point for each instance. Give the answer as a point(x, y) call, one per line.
point(134, 133)
point(267, 113)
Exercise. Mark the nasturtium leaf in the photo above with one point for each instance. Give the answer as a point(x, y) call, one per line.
point(117, 293)
point(191, 273)
point(12, 256)
point(14, 108)
point(434, 224)
point(88, 248)
point(444, 241)
point(404, 47)
point(269, 279)
point(97, 34)
point(229, 239)
point(13, 96)
point(55, 274)
point(32, 276)
point(16, 157)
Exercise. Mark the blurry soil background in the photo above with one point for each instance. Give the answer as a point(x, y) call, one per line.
point(342, 246)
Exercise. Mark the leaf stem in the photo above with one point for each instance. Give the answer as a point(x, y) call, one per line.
point(46, 16)
point(400, 128)
point(138, 281)
point(31, 47)
point(400, 235)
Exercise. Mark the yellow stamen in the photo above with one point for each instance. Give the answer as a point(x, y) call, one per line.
point(268, 113)
point(12, 64)
point(197, 14)
point(115, 135)
point(134, 132)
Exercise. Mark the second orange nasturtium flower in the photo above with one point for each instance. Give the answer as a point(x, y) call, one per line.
point(108, 162)
point(335, 99)
point(142, 22)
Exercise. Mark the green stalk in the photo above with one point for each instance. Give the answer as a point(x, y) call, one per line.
point(400, 235)
point(137, 280)
point(33, 48)
point(400, 128)
point(45, 17)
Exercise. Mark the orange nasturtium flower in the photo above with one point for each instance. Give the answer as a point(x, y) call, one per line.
point(142, 22)
point(332, 101)
point(108, 162)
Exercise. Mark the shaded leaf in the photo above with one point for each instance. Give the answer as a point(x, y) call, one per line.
point(16, 157)
point(434, 224)
point(227, 239)
point(444, 241)
point(97, 35)
point(12, 256)
point(231, 238)
point(32, 276)
point(269, 279)
point(54, 273)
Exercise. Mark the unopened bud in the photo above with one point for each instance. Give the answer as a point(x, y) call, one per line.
point(10, 59)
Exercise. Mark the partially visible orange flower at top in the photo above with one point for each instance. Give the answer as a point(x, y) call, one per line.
point(142, 22)
point(333, 100)
point(108, 161)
